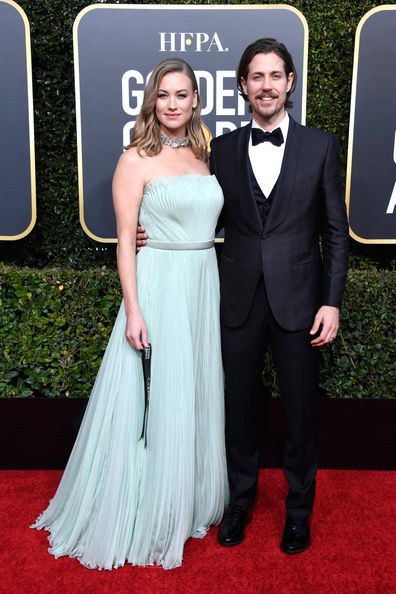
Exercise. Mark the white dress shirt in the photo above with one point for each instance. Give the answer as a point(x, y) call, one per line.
point(266, 158)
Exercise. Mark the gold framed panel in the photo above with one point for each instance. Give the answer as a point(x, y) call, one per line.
point(179, 7)
point(355, 73)
point(32, 163)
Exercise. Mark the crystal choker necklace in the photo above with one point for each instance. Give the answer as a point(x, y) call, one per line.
point(175, 142)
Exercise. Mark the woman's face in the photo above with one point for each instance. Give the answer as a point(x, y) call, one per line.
point(175, 102)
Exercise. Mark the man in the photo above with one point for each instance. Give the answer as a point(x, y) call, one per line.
point(279, 285)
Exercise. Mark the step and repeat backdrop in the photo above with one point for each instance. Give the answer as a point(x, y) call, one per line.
point(371, 177)
point(115, 49)
point(17, 175)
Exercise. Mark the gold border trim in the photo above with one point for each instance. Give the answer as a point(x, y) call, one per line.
point(87, 9)
point(352, 121)
point(31, 125)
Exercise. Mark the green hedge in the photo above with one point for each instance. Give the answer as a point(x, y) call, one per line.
point(58, 239)
point(56, 324)
point(362, 362)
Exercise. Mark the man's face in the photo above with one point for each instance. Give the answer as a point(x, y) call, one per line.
point(266, 87)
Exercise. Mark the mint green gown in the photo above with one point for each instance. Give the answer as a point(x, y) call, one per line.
point(118, 502)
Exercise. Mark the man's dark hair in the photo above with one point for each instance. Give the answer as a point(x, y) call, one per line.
point(266, 45)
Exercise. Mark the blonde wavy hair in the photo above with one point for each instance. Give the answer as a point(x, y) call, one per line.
point(145, 134)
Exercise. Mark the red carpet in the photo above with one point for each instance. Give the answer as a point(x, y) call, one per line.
point(353, 532)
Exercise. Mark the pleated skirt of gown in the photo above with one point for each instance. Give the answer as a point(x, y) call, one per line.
point(117, 501)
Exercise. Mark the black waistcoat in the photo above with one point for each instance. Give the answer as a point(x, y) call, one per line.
point(263, 203)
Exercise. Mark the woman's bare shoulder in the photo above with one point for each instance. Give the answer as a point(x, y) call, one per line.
point(131, 157)
point(132, 164)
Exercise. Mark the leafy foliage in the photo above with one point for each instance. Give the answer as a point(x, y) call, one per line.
point(361, 363)
point(56, 324)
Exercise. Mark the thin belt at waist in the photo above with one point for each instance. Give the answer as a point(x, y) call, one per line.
point(180, 245)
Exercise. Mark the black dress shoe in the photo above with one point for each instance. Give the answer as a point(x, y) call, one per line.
point(232, 528)
point(296, 537)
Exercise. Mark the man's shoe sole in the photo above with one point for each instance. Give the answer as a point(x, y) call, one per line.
point(231, 544)
point(295, 552)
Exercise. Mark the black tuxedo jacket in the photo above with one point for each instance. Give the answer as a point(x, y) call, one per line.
point(303, 249)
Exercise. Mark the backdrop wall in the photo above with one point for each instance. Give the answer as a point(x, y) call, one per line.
point(57, 239)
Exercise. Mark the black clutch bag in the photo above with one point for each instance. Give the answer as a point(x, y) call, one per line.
point(146, 361)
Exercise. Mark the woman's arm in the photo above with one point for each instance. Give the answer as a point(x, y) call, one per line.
point(128, 184)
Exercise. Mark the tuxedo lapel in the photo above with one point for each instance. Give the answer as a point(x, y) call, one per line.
point(245, 191)
point(286, 178)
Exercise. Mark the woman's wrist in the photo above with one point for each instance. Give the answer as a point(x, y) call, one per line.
point(132, 310)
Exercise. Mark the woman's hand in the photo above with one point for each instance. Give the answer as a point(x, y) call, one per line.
point(136, 331)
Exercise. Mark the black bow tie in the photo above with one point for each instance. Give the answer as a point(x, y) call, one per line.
point(258, 136)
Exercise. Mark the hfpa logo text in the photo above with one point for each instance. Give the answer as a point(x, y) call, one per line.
point(196, 42)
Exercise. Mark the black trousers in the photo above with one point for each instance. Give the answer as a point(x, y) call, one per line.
point(297, 368)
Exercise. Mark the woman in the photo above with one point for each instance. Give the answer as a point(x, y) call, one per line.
point(118, 500)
